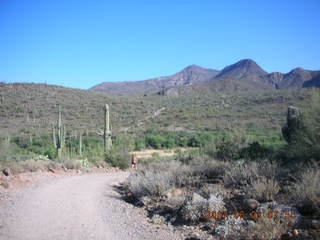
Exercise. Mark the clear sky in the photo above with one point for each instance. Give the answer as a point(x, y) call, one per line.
point(80, 43)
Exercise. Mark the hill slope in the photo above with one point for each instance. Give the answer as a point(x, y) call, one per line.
point(247, 75)
point(243, 75)
point(188, 76)
point(32, 108)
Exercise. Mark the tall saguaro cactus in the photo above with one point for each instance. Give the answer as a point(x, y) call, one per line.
point(61, 135)
point(107, 130)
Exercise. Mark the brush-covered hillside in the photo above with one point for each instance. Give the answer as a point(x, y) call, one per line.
point(28, 107)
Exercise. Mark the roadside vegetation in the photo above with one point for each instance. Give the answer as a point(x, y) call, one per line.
point(234, 189)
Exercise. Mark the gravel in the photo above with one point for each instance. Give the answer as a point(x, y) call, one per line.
point(77, 207)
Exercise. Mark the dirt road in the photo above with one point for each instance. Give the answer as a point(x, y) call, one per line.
point(79, 207)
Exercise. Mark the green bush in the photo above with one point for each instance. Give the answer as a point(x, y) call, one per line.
point(139, 143)
point(155, 141)
point(254, 151)
point(118, 158)
point(263, 189)
point(227, 150)
point(305, 192)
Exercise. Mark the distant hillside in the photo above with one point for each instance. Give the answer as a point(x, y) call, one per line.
point(243, 75)
point(34, 107)
point(28, 109)
point(246, 69)
point(295, 78)
point(247, 75)
point(188, 76)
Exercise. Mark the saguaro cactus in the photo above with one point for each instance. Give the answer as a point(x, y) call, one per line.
point(54, 139)
point(80, 144)
point(294, 125)
point(61, 135)
point(107, 130)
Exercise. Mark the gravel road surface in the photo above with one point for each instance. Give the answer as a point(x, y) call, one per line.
point(80, 207)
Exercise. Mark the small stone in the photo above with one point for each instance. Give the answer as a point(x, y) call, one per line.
point(194, 236)
point(6, 172)
point(251, 204)
point(208, 227)
point(197, 198)
point(51, 170)
point(173, 193)
point(295, 232)
point(315, 224)
point(251, 223)
point(286, 236)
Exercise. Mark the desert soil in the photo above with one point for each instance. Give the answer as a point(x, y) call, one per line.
point(78, 207)
point(148, 153)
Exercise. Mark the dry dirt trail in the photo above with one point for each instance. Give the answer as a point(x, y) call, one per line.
point(80, 207)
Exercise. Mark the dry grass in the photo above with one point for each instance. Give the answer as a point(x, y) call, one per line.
point(267, 229)
point(209, 168)
point(149, 153)
point(306, 192)
point(71, 164)
point(157, 219)
point(209, 189)
point(242, 174)
point(263, 189)
point(155, 179)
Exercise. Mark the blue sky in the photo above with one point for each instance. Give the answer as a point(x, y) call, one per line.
point(79, 44)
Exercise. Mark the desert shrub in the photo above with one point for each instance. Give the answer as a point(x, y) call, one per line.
point(72, 164)
point(227, 150)
point(100, 163)
point(139, 144)
point(305, 192)
point(6, 153)
point(118, 158)
point(241, 174)
point(215, 202)
point(158, 219)
point(267, 229)
point(232, 228)
point(245, 173)
point(208, 168)
point(33, 166)
point(196, 209)
point(155, 141)
point(53, 165)
point(154, 179)
point(210, 149)
point(254, 151)
point(51, 152)
point(187, 156)
point(209, 189)
point(263, 189)
point(157, 177)
point(271, 170)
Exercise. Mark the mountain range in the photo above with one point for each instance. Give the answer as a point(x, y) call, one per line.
point(243, 75)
